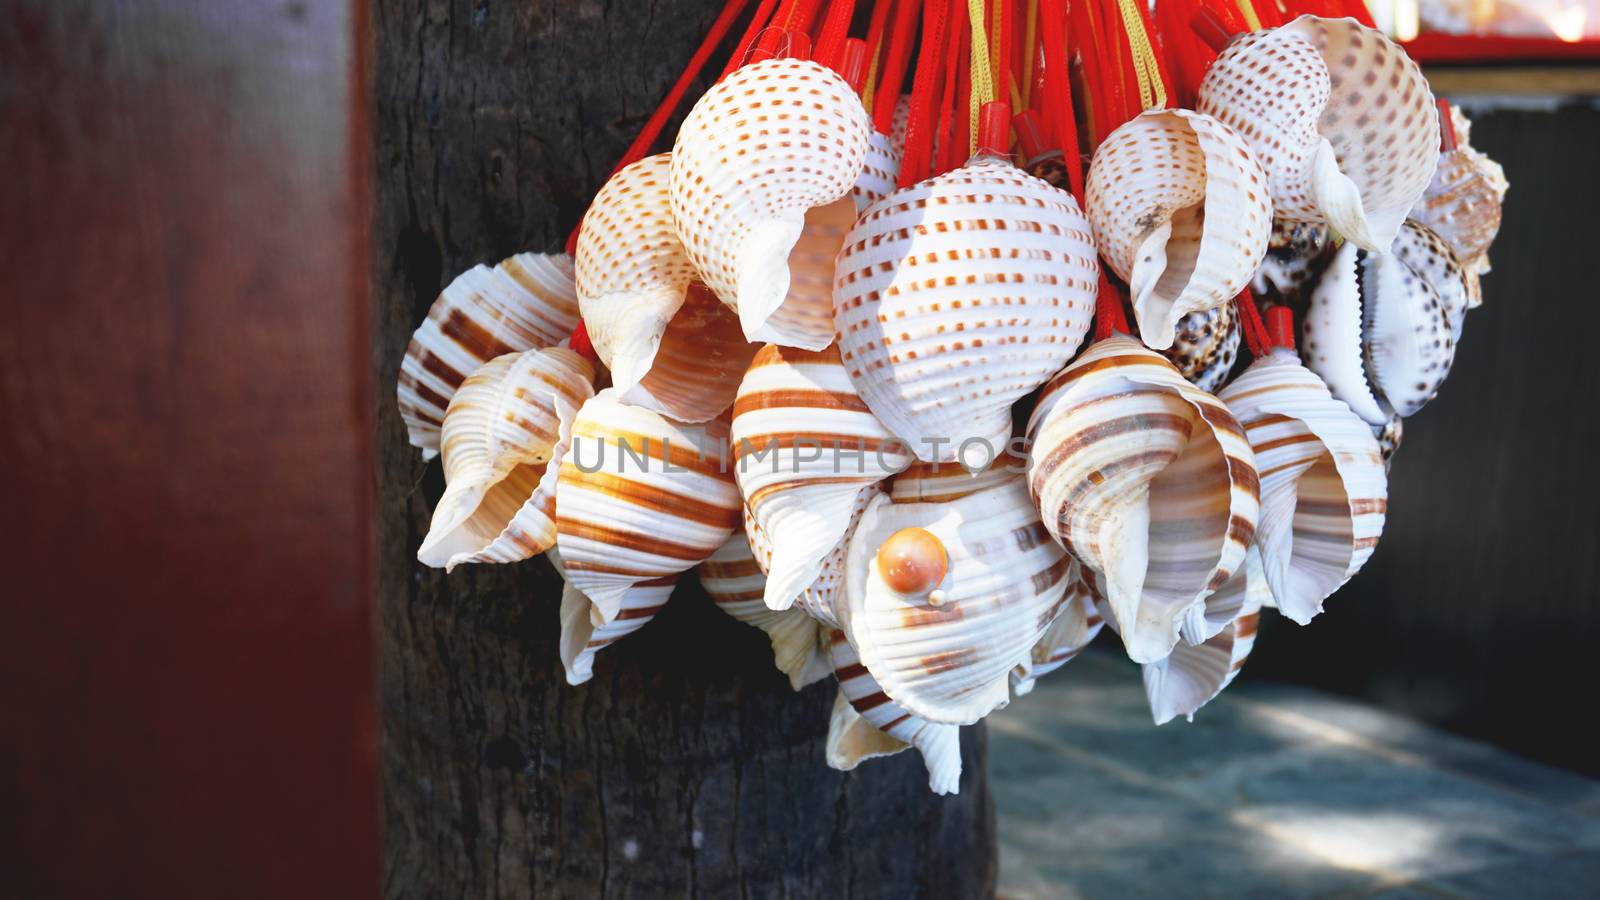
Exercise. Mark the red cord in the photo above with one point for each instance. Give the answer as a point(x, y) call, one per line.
point(956, 91)
point(919, 130)
point(1057, 92)
point(892, 77)
point(752, 32)
point(835, 28)
point(1255, 333)
point(1108, 316)
point(767, 43)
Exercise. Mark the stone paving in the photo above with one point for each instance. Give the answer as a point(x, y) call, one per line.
point(1272, 791)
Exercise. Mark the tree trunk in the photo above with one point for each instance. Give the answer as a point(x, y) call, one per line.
point(687, 766)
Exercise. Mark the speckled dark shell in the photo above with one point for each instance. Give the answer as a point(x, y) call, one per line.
point(1206, 346)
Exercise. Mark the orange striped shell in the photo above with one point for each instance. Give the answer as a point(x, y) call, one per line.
point(1146, 480)
point(734, 581)
point(957, 296)
point(867, 723)
point(526, 302)
point(639, 497)
point(1181, 212)
point(761, 177)
point(584, 632)
point(504, 434)
point(1340, 118)
point(670, 345)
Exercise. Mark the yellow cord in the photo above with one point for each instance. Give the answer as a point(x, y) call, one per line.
point(982, 77)
point(1152, 93)
point(870, 90)
point(1251, 20)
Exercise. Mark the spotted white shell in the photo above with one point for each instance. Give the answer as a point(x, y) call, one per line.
point(804, 447)
point(1193, 675)
point(1324, 492)
point(670, 345)
point(868, 723)
point(639, 497)
point(504, 435)
point(735, 583)
point(1146, 480)
point(526, 302)
point(1430, 256)
point(946, 655)
point(957, 296)
point(1463, 201)
point(760, 179)
point(1206, 345)
point(1340, 118)
point(1075, 627)
point(1331, 337)
point(1181, 212)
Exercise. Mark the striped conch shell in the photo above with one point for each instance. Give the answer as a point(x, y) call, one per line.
point(1379, 330)
point(584, 632)
point(1155, 185)
point(670, 345)
point(1147, 480)
point(926, 482)
point(957, 296)
point(1324, 492)
point(734, 582)
point(804, 447)
point(1463, 201)
point(639, 497)
point(1078, 624)
point(1340, 118)
point(527, 302)
point(943, 599)
point(868, 723)
point(1206, 345)
point(823, 598)
point(761, 176)
point(1194, 674)
point(504, 435)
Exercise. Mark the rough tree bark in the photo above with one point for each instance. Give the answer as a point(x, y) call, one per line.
point(686, 767)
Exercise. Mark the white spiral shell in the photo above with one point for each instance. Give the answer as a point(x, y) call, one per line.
point(503, 437)
point(1074, 628)
point(804, 447)
point(1181, 212)
point(1324, 493)
point(761, 177)
point(639, 497)
point(1340, 118)
point(735, 583)
point(1194, 674)
point(584, 632)
point(526, 302)
point(957, 296)
point(1147, 480)
point(868, 723)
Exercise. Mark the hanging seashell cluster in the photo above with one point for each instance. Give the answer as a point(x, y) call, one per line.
point(823, 327)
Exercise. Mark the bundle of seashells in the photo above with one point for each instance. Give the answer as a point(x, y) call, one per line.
point(874, 419)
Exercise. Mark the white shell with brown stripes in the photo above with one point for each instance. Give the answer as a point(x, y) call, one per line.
point(1324, 493)
point(946, 655)
point(1194, 674)
point(527, 302)
point(670, 345)
point(504, 434)
point(1078, 623)
point(638, 497)
point(958, 295)
point(734, 582)
point(761, 177)
point(804, 447)
point(1339, 117)
point(1147, 480)
point(584, 633)
point(867, 723)
point(1181, 212)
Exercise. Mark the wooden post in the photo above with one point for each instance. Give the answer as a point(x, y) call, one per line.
point(686, 767)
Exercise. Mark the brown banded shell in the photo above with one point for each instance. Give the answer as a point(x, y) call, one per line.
point(868, 723)
point(584, 632)
point(1194, 674)
point(527, 302)
point(734, 581)
point(1074, 628)
point(1181, 212)
point(1341, 119)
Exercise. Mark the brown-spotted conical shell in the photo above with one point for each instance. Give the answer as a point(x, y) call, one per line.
point(957, 296)
point(1181, 212)
point(805, 446)
point(1339, 117)
point(868, 723)
point(1147, 480)
point(1324, 492)
point(946, 654)
point(1074, 628)
point(734, 581)
point(526, 302)
point(761, 177)
point(1206, 345)
point(1194, 674)
point(670, 345)
point(639, 497)
point(1463, 202)
point(504, 435)
point(584, 632)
